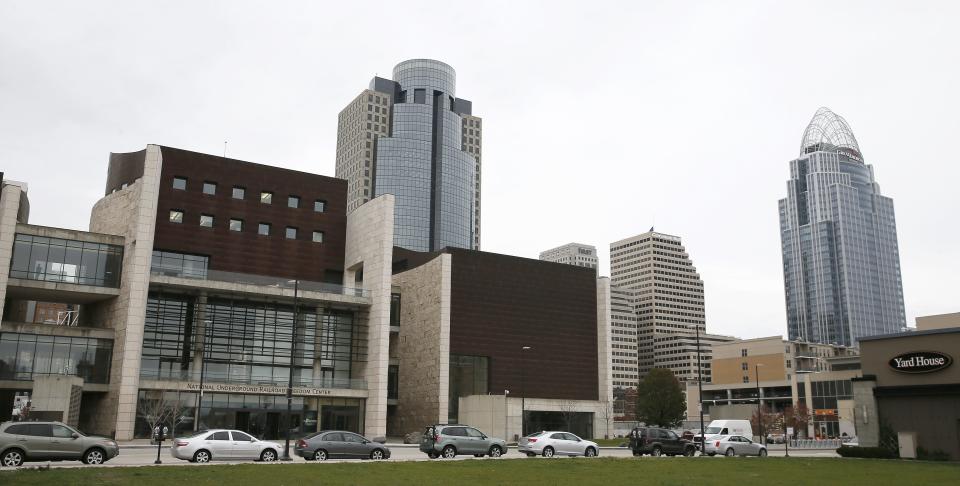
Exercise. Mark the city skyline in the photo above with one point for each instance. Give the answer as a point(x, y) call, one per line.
point(699, 156)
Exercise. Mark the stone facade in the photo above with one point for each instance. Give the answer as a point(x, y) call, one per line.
point(9, 208)
point(424, 344)
point(604, 349)
point(131, 213)
point(368, 264)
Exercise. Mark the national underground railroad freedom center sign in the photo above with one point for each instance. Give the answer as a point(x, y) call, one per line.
point(920, 362)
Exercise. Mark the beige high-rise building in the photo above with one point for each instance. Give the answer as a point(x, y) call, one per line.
point(412, 137)
point(572, 254)
point(623, 337)
point(668, 304)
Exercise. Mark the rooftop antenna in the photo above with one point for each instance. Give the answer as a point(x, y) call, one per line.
point(224, 149)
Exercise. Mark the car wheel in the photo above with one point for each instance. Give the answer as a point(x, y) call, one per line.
point(268, 455)
point(94, 457)
point(711, 454)
point(689, 452)
point(496, 451)
point(548, 451)
point(449, 452)
point(763, 453)
point(636, 454)
point(730, 452)
point(13, 458)
point(202, 455)
point(590, 452)
point(319, 455)
point(656, 452)
point(376, 454)
point(530, 454)
point(433, 455)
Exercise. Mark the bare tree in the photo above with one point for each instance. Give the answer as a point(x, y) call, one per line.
point(568, 410)
point(606, 414)
point(162, 409)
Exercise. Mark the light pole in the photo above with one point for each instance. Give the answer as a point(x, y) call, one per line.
point(703, 438)
point(759, 406)
point(523, 391)
point(293, 348)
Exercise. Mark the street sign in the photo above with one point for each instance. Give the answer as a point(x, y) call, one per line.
point(790, 431)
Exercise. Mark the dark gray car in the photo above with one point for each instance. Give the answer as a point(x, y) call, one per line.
point(339, 444)
point(51, 441)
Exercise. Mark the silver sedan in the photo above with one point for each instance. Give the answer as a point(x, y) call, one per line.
point(223, 445)
point(733, 445)
point(551, 443)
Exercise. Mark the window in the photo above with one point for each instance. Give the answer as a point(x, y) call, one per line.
point(176, 216)
point(224, 435)
point(206, 221)
point(179, 264)
point(68, 261)
point(744, 366)
point(471, 432)
point(263, 229)
point(239, 192)
point(319, 206)
point(240, 436)
point(39, 430)
point(420, 96)
point(746, 379)
point(348, 437)
point(333, 437)
point(291, 233)
point(61, 431)
point(558, 436)
point(210, 188)
point(293, 202)
point(743, 352)
point(318, 236)
point(455, 431)
point(236, 224)
point(180, 183)
point(266, 197)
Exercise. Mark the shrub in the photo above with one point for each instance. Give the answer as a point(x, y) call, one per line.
point(936, 455)
point(866, 452)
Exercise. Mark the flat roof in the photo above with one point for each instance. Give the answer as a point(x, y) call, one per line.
point(948, 330)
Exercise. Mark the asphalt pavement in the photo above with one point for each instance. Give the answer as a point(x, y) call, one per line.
point(144, 455)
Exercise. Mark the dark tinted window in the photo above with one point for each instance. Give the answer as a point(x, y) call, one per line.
point(334, 437)
point(219, 436)
point(16, 429)
point(179, 182)
point(455, 431)
point(241, 436)
point(39, 430)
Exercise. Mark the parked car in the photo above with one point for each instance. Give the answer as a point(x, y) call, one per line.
point(337, 444)
point(734, 445)
point(550, 443)
point(224, 445)
point(656, 442)
point(451, 440)
point(52, 441)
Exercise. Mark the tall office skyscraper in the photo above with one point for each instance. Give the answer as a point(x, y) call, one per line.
point(841, 264)
point(668, 300)
point(572, 254)
point(413, 138)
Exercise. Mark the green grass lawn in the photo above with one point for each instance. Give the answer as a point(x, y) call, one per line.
point(608, 471)
point(611, 442)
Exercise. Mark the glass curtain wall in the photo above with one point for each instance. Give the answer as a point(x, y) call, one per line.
point(24, 355)
point(469, 375)
point(68, 261)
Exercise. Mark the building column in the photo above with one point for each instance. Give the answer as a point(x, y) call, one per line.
point(9, 208)
point(866, 412)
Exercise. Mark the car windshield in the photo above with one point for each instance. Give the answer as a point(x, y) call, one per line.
point(713, 430)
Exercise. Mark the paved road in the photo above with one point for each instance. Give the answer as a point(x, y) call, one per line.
point(139, 456)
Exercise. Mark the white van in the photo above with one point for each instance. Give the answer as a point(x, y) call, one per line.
point(726, 427)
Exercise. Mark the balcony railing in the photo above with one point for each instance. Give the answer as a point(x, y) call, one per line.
point(260, 280)
point(266, 380)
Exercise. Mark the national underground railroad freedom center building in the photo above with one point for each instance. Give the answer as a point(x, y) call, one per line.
point(202, 277)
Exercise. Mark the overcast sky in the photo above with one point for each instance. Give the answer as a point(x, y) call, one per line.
point(601, 119)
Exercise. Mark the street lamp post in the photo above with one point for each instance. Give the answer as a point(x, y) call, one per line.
point(703, 438)
point(523, 390)
point(293, 347)
point(759, 404)
point(506, 415)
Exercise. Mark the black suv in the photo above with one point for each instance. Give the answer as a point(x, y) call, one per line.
point(659, 442)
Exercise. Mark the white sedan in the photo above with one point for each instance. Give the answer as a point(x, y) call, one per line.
point(733, 445)
point(550, 443)
point(224, 445)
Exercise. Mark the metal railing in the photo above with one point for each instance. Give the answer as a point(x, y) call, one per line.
point(260, 280)
point(815, 443)
point(210, 378)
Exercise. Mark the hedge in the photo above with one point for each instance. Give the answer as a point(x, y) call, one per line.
point(867, 452)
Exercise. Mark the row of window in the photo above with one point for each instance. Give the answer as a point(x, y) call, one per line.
point(239, 192)
point(263, 229)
